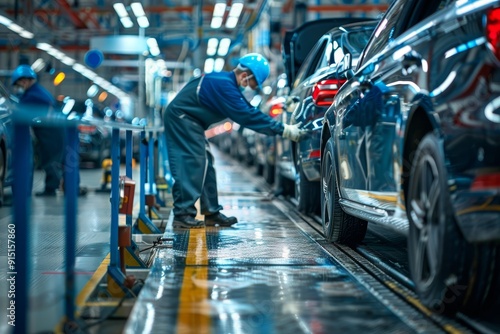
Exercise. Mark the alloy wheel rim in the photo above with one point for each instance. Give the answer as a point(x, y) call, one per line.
point(426, 216)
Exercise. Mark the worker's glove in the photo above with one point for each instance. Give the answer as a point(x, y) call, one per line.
point(293, 132)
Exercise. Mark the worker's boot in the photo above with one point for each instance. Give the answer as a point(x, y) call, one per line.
point(220, 219)
point(187, 221)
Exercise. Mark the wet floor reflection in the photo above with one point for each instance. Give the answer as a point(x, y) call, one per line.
point(263, 275)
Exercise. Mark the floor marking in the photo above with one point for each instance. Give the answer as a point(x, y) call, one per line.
point(86, 291)
point(194, 308)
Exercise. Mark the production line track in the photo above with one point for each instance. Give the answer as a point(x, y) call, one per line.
point(378, 275)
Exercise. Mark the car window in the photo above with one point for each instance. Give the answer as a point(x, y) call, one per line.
point(384, 32)
point(313, 61)
point(392, 24)
point(352, 42)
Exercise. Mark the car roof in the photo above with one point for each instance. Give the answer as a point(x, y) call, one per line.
point(298, 43)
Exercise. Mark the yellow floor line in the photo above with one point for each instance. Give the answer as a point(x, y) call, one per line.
point(86, 291)
point(194, 308)
point(91, 285)
point(93, 282)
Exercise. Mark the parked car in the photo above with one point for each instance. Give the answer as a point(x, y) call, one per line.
point(412, 140)
point(313, 87)
point(272, 104)
point(95, 141)
point(6, 141)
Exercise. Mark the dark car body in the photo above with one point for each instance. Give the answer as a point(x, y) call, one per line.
point(313, 87)
point(272, 104)
point(412, 141)
point(6, 141)
point(95, 141)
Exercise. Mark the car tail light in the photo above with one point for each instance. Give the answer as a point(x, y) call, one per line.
point(325, 90)
point(493, 30)
point(315, 154)
point(87, 129)
point(487, 181)
point(276, 109)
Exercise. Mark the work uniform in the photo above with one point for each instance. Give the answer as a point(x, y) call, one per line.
point(37, 99)
point(202, 102)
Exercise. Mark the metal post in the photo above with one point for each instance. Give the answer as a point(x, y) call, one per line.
point(144, 165)
point(18, 245)
point(151, 163)
point(71, 175)
point(128, 164)
point(115, 197)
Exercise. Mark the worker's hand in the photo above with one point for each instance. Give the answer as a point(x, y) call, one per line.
point(293, 132)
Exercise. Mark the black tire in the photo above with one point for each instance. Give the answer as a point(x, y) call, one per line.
point(282, 185)
point(484, 295)
point(439, 257)
point(268, 173)
point(338, 226)
point(269, 166)
point(259, 169)
point(308, 194)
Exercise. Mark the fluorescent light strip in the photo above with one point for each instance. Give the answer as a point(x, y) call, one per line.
point(219, 9)
point(83, 70)
point(137, 9)
point(120, 9)
point(236, 9)
point(126, 22)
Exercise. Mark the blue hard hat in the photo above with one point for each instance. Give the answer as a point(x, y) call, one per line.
point(22, 71)
point(259, 66)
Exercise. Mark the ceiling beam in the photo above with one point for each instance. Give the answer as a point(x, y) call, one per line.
point(77, 21)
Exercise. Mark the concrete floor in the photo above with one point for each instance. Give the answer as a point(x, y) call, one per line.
point(264, 275)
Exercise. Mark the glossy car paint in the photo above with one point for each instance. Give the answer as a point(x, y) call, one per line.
point(416, 136)
point(300, 162)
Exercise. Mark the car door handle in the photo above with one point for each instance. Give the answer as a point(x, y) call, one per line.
point(411, 61)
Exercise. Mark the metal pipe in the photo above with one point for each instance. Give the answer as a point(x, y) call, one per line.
point(71, 174)
point(115, 197)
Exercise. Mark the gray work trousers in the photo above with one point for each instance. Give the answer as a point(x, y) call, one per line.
point(191, 164)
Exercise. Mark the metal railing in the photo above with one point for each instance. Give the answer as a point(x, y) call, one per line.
point(22, 165)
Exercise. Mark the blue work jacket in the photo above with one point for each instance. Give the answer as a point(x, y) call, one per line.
point(214, 97)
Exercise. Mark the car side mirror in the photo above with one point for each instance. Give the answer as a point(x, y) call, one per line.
point(347, 62)
point(347, 66)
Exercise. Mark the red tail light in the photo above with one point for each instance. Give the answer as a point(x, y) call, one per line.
point(276, 110)
point(87, 128)
point(315, 154)
point(493, 30)
point(488, 181)
point(325, 90)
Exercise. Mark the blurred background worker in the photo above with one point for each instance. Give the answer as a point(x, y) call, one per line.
point(50, 140)
point(202, 102)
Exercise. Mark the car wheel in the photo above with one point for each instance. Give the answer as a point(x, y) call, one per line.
point(436, 248)
point(268, 172)
point(338, 226)
point(282, 185)
point(307, 192)
point(485, 293)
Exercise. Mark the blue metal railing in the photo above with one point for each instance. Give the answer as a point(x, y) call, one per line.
point(23, 169)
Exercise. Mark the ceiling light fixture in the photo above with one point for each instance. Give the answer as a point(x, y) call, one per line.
point(234, 15)
point(224, 47)
point(83, 70)
point(142, 20)
point(123, 15)
point(16, 28)
point(212, 46)
point(218, 15)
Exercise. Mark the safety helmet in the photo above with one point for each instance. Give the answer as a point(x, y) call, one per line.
point(23, 71)
point(259, 66)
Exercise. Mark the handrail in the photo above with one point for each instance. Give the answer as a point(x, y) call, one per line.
point(22, 170)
